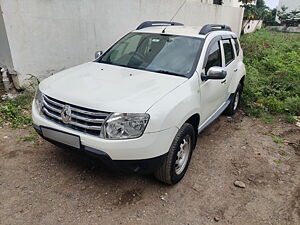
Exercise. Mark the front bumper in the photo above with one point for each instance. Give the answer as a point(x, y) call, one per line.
point(146, 166)
point(148, 146)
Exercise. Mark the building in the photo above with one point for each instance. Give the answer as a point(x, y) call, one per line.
point(39, 38)
point(290, 4)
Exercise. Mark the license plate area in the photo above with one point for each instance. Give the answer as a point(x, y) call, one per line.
point(61, 137)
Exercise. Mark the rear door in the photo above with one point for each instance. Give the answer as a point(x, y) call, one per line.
point(230, 61)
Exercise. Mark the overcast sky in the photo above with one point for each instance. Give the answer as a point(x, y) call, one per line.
point(272, 3)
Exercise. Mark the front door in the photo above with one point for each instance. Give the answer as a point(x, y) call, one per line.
point(212, 92)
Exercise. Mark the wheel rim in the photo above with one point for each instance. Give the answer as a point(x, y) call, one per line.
point(183, 155)
point(236, 100)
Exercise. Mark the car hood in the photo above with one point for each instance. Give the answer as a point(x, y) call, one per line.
point(109, 88)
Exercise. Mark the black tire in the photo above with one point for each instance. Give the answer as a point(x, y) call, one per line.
point(169, 172)
point(233, 106)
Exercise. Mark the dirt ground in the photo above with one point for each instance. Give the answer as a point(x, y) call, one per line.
point(42, 184)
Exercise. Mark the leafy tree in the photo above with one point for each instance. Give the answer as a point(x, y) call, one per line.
point(260, 4)
point(270, 18)
point(252, 11)
point(246, 1)
point(291, 18)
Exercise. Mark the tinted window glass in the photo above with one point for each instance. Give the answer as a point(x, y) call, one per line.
point(237, 46)
point(168, 54)
point(218, 2)
point(214, 57)
point(228, 51)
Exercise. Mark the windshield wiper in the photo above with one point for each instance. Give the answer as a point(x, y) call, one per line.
point(168, 72)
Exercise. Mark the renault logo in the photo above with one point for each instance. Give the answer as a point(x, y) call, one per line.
point(66, 114)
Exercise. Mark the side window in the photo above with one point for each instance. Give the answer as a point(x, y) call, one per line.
point(214, 57)
point(237, 46)
point(228, 51)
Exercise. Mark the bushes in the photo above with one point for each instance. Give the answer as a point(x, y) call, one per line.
point(273, 73)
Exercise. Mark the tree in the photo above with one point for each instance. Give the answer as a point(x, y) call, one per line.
point(257, 11)
point(261, 4)
point(286, 18)
point(270, 18)
point(246, 1)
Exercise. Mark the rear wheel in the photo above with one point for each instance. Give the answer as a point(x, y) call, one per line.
point(176, 163)
point(235, 102)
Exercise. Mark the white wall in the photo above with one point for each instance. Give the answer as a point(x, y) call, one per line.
point(284, 28)
point(251, 25)
point(48, 36)
point(233, 3)
point(237, 3)
point(5, 57)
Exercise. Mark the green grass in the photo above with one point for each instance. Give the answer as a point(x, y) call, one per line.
point(290, 119)
point(277, 140)
point(16, 112)
point(32, 137)
point(272, 84)
point(283, 153)
point(277, 161)
point(268, 118)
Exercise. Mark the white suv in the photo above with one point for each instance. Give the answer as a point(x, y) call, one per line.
point(141, 104)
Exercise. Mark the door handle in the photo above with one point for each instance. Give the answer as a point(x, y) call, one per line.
point(235, 70)
point(223, 81)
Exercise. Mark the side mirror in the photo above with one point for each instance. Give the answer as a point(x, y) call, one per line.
point(98, 54)
point(214, 73)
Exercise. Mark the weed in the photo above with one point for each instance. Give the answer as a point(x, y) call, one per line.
point(290, 119)
point(283, 153)
point(272, 84)
point(277, 161)
point(277, 140)
point(32, 137)
point(16, 112)
point(29, 138)
point(268, 118)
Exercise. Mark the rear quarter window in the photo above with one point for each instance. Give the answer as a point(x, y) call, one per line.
point(228, 51)
point(237, 46)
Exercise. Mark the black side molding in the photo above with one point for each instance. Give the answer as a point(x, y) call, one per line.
point(158, 23)
point(214, 27)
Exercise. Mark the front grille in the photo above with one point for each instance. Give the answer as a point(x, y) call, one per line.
point(81, 119)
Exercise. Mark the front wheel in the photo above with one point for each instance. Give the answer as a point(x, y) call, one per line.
point(235, 102)
point(177, 161)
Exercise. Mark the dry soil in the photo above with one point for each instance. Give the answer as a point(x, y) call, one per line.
point(43, 184)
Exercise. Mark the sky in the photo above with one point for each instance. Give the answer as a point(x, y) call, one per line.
point(271, 3)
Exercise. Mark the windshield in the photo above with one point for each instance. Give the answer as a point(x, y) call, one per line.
point(160, 53)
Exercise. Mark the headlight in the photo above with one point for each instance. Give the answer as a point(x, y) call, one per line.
point(39, 100)
point(125, 125)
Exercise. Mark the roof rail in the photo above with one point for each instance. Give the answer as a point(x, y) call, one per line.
point(157, 23)
point(213, 27)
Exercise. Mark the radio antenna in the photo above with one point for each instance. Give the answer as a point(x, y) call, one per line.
point(183, 3)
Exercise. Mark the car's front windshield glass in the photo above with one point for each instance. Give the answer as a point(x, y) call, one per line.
point(168, 54)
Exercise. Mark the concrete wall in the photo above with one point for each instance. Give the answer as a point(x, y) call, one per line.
point(233, 3)
point(251, 26)
point(284, 28)
point(48, 36)
point(5, 56)
point(237, 3)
